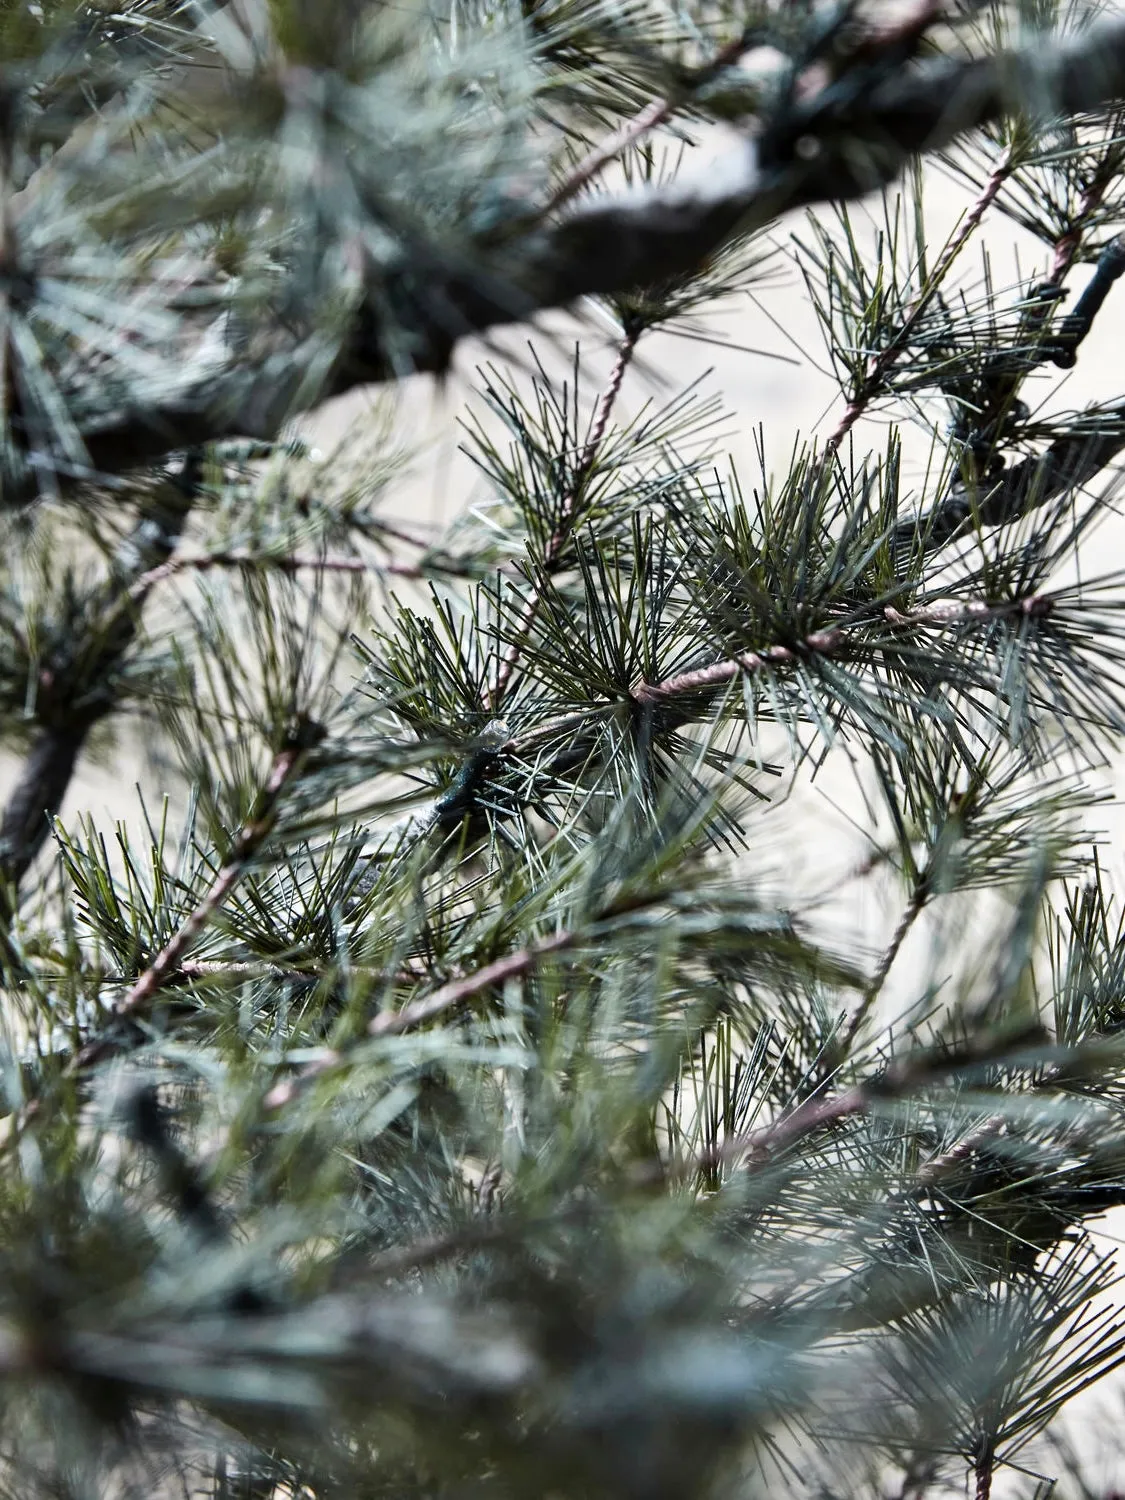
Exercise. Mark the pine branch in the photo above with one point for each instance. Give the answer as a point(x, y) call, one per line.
point(570, 511)
point(897, 1081)
point(691, 693)
point(843, 141)
point(912, 911)
point(1067, 464)
point(882, 363)
point(286, 767)
point(454, 994)
point(448, 998)
point(826, 149)
point(655, 114)
point(981, 422)
point(75, 690)
point(836, 640)
point(293, 562)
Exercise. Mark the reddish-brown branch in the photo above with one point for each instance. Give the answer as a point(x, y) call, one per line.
point(450, 996)
point(910, 915)
point(830, 642)
point(287, 764)
point(654, 114)
point(762, 1146)
point(569, 510)
point(202, 562)
point(883, 362)
point(1068, 245)
point(418, 1012)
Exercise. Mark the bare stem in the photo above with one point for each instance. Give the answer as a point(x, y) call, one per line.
point(982, 1470)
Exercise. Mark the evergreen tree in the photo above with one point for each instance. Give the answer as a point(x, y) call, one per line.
point(444, 1090)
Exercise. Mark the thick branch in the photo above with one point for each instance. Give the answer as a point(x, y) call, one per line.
point(1068, 463)
point(838, 144)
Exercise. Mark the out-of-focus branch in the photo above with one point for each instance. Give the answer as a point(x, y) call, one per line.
point(845, 140)
point(829, 147)
point(278, 562)
point(75, 689)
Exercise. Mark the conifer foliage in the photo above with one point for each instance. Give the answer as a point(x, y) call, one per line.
point(438, 1086)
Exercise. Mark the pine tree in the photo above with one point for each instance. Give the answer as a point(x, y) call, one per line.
point(441, 1086)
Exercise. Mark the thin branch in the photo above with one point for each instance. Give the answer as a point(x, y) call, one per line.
point(995, 399)
point(763, 1146)
point(911, 912)
point(76, 687)
point(202, 562)
point(569, 511)
point(939, 616)
point(1066, 465)
point(444, 814)
point(450, 996)
point(655, 114)
point(287, 765)
point(883, 362)
point(897, 38)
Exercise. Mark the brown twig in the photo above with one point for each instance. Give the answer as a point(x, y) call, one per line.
point(761, 1147)
point(569, 510)
point(944, 615)
point(450, 996)
point(1068, 245)
point(654, 114)
point(202, 562)
point(286, 766)
point(912, 911)
point(830, 642)
point(447, 998)
point(882, 363)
